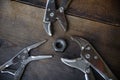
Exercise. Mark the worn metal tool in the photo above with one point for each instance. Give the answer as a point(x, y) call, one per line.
point(89, 58)
point(52, 13)
point(21, 59)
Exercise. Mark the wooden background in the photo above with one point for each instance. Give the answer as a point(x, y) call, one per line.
point(105, 11)
point(21, 25)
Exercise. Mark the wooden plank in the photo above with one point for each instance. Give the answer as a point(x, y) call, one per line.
point(21, 25)
point(105, 11)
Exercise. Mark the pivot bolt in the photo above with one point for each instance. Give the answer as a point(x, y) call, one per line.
point(51, 14)
point(87, 56)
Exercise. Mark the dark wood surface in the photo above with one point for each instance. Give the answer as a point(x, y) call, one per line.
point(106, 11)
point(21, 25)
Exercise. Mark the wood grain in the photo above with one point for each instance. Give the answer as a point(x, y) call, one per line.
point(105, 11)
point(21, 25)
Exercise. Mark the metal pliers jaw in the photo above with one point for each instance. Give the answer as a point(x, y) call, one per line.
point(22, 58)
point(52, 14)
point(81, 65)
point(89, 58)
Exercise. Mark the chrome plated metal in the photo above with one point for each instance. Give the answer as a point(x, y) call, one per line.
point(52, 14)
point(21, 59)
point(89, 58)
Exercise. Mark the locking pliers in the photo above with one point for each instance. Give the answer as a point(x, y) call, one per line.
point(89, 58)
point(21, 59)
point(52, 13)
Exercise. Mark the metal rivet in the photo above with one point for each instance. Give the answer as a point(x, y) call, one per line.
point(87, 70)
point(61, 9)
point(51, 14)
point(87, 56)
point(6, 65)
point(88, 48)
point(82, 47)
point(95, 57)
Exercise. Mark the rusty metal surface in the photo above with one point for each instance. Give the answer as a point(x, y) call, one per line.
point(21, 25)
point(105, 11)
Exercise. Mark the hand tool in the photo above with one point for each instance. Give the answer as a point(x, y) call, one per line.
point(52, 14)
point(21, 59)
point(89, 58)
point(60, 45)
